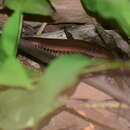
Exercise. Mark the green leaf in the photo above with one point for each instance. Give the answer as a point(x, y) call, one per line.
point(11, 34)
point(65, 71)
point(42, 7)
point(12, 74)
point(11, 71)
point(20, 109)
point(9, 38)
point(107, 65)
point(115, 9)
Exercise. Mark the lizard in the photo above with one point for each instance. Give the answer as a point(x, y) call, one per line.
point(45, 49)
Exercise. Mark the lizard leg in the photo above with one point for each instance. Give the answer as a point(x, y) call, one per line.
point(109, 42)
point(108, 39)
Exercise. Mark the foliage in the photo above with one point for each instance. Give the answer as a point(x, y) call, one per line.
point(10, 39)
point(115, 9)
point(10, 67)
point(25, 107)
point(42, 7)
point(21, 108)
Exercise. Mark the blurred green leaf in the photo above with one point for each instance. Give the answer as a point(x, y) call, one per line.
point(11, 71)
point(12, 74)
point(42, 7)
point(108, 64)
point(65, 71)
point(20, 109)
point(11, 34)
point(115, 9)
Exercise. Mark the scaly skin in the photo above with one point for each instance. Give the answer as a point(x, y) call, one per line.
point(47, 49)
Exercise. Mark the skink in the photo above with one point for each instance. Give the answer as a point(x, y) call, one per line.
point(47, 49)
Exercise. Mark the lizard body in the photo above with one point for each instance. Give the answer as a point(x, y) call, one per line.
point(47, 49)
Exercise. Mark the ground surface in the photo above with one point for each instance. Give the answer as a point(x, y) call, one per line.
point(90, 118)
